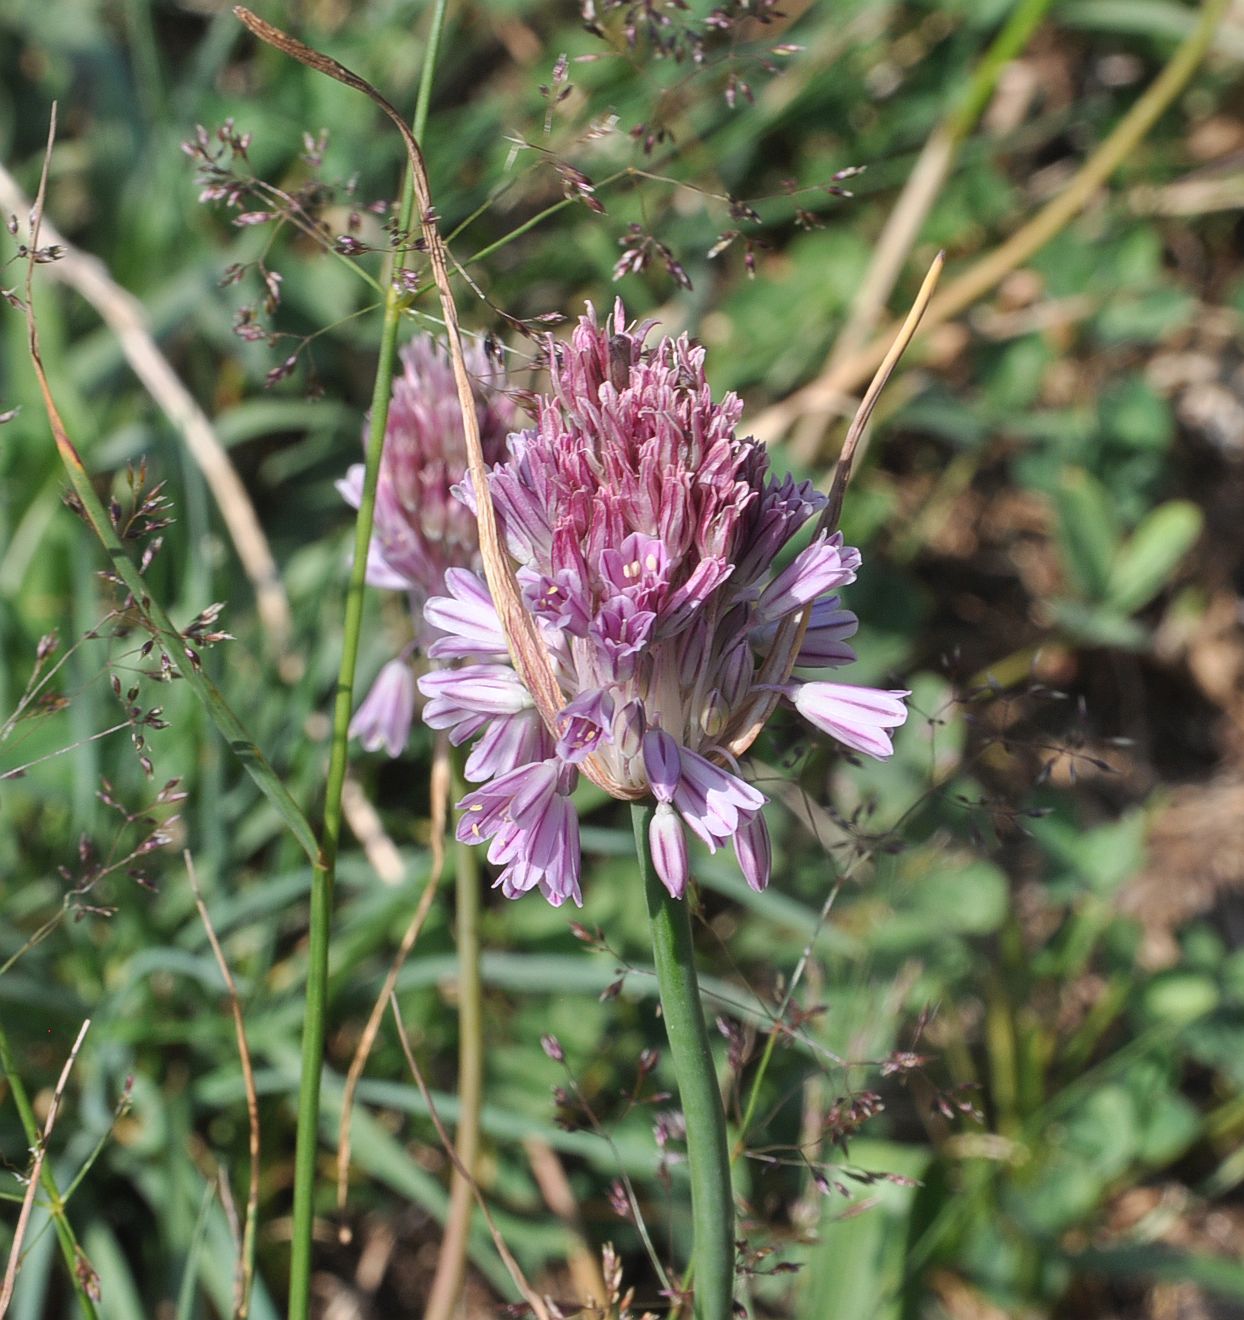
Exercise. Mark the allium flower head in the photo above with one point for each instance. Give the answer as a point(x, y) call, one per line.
point(421, 528)
point(645, 532)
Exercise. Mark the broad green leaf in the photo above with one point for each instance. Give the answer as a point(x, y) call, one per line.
point(1179, 996)
point(1101, 858)
point(1161, 19)
point(1146, 561)
point(1097, 625)
point(1088, 537)
point(1220, 1275)
point(1133, 414)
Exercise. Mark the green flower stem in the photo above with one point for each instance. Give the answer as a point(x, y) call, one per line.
point(324, 873)
point(73, 1254)
point(708, 1155)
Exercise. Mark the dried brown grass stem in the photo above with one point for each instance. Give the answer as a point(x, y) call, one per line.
point(439, 811)
point(530, 1296)
point(246, 1253)
point(32, 1185)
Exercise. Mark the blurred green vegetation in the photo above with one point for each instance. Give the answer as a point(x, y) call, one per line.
point(1019, 947)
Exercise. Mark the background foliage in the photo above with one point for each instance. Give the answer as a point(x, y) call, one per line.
point(1010, 1081)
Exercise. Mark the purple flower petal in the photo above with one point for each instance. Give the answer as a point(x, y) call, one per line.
point(350, 487)
point(533, 792)
point(823, 566)
point(561, 599)
point(468, 618)
point(385, 715)
point(629, 727)
point(755, 854)
point(544, 853)
point(680, 608)
point(487, 690)
point(857, 716)
point(639, 567)
point(718, 784)
point(669, 849)
point(783, 509)
point(508, 742)
point(662, 764)
point(584, 722)
point(710, 799)
point(619, 631)
point(381, 574)
point(824, 643)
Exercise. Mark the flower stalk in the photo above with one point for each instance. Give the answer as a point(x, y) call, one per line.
point(324, 873)
point(708, 1155)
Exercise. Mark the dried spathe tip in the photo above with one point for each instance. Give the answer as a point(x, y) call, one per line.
point(790, 638)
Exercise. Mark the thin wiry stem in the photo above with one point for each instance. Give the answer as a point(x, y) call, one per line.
point(246, 1254)
point(439, 813)
point(323, 876)
point(451, 1263)
point(530, 1296)
point(708, 1154)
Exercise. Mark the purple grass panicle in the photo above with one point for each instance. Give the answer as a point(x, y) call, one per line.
point(422, 530)
point(645, 532)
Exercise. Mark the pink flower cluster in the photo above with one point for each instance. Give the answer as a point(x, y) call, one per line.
point(645, 533)
point(421, 528)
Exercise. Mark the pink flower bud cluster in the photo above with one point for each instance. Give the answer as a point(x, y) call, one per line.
point(421, 528)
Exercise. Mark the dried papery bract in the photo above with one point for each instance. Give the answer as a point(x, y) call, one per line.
point(790, 637)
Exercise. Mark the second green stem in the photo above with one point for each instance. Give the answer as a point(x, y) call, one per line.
point(708, 1154)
